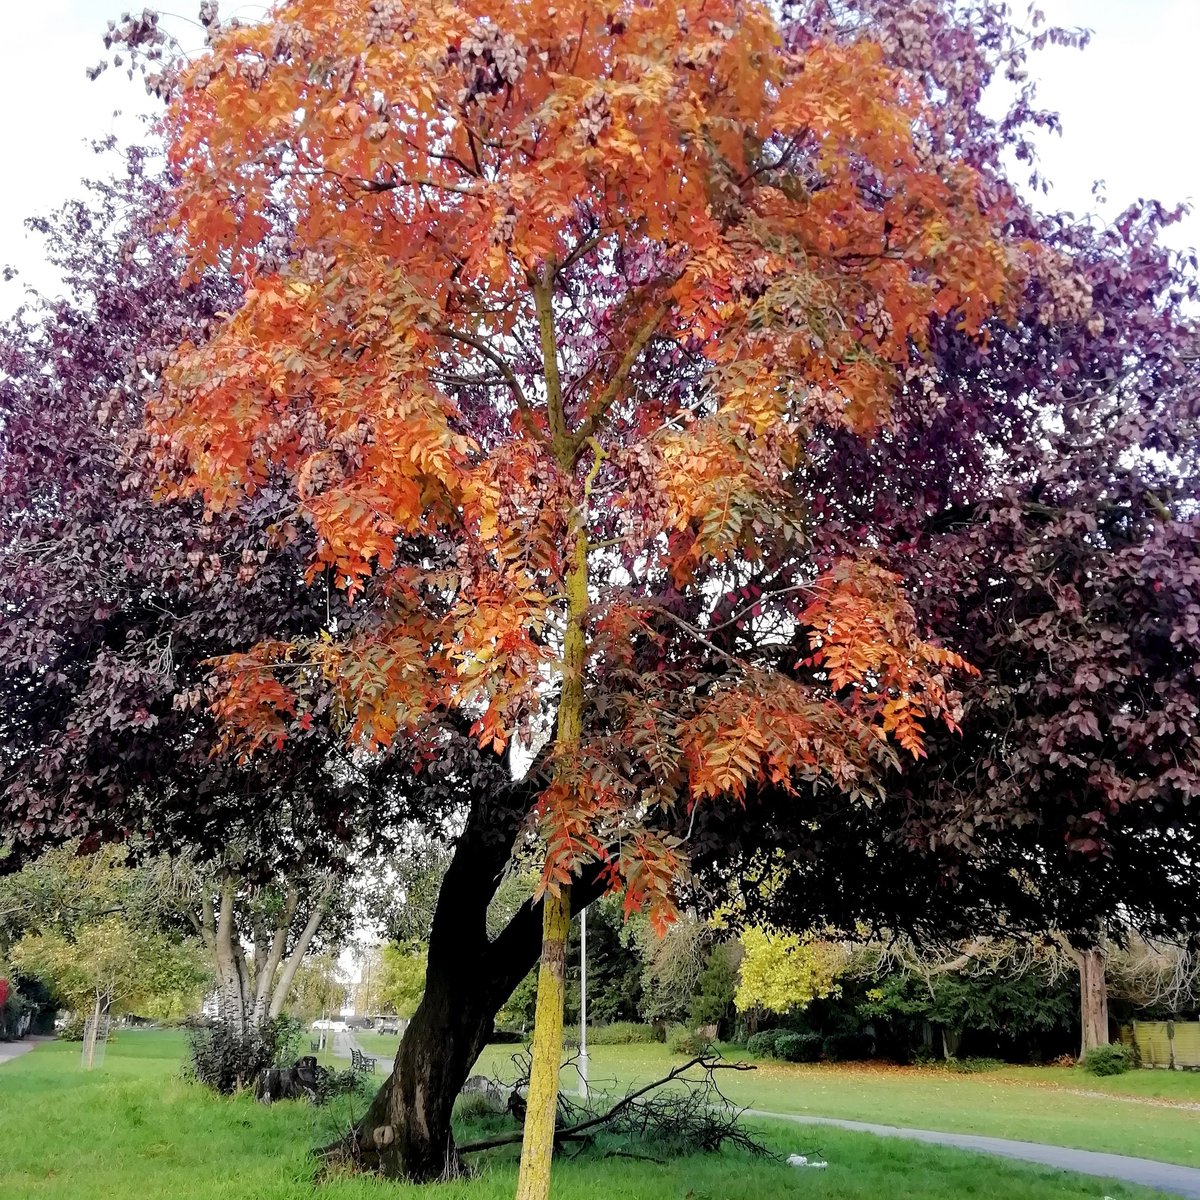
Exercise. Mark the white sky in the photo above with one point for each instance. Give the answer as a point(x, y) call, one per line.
point(1128, 104)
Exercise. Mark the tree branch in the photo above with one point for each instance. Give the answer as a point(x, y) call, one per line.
point(570, 1132)
point(514, 384)
point(280, 994)
point(543, 300)
point(607, 398)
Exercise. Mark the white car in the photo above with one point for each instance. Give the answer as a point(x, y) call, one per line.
point(332, 1026)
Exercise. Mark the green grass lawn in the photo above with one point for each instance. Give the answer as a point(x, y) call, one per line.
point(1178, 1087)
point(1030, 1104)
point(134, 1130)
point(381, 1044)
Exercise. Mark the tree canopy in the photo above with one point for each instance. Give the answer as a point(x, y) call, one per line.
point(683, 399)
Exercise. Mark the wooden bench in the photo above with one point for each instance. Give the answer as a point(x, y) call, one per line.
point(362, 1062)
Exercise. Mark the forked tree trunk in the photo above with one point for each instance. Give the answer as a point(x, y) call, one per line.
point(269, 954)
point(406, 1132)
point(287, 976)
point(246, 999)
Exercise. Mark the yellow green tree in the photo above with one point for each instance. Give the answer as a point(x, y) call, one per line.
point(401, 977)
point(782, 972)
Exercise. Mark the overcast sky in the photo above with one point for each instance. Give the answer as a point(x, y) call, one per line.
point(1128, 105)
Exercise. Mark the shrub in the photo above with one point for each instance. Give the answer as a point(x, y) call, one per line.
point(623, 1033)
point(682, 1040)
point(845, 1047)
point(72, 1031)
point(288, 1037)
point(1109, 1060)
point(763, 1043)
point(473, 1106)
point(713, 1002)
point(332, 1083)
point(798, 1047)
point(226, 1060)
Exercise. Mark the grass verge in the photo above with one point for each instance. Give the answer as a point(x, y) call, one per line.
point(135, 1129)
point(1028, 1104)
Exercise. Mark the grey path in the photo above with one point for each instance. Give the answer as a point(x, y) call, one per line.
point(343, 1043)
point(11, 1050)
point(1166, 1177)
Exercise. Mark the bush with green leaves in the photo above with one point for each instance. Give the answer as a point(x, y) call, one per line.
point(763, 1043)
point(798, 1047)
point(288, 1036)
point(624, 1033)
point(72, 1031)
point(713, 1002)
point(227, 1059)
point(682, 1040)
point(331, 1083)
point(1109, 1060)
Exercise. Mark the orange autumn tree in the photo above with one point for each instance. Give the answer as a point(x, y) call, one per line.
point(565, 288)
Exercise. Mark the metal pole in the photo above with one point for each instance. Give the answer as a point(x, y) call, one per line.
point(583, 1054)
point(367, 999)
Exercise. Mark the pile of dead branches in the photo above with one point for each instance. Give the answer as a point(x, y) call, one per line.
point(684, 1112)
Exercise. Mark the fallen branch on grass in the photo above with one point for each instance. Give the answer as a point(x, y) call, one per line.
point(700, 1117)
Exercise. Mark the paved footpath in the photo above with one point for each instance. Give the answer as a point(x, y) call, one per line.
point(11, 1050)
point(1166, 1177)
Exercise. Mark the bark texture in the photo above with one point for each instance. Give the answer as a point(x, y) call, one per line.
point(537, 1147)
point(406, 1132)
point(1093, 998)
point(1091, 961)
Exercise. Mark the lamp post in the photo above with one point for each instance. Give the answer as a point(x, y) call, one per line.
point(583, 1053)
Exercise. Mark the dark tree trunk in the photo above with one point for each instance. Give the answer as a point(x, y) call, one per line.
point(1093, 999)
point(406, 1131)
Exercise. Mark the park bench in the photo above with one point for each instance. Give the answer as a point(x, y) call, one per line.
point(362, 1062)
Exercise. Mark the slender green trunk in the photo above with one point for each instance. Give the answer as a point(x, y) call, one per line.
point(537, 1149)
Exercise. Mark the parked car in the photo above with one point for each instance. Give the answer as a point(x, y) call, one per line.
point(334, 1026)
point(389, 1025)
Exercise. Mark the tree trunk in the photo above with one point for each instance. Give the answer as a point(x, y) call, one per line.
point(406, 1131)
point(537, 1148)
point(1093, 990)
point(89, 1036)
point(1093, 999)
point(267, 966)
point(230, 994)
point(950, 1042)
point(284, 986)
point(408, 1123)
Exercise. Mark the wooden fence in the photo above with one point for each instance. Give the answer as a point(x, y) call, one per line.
point(1171, 1044)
